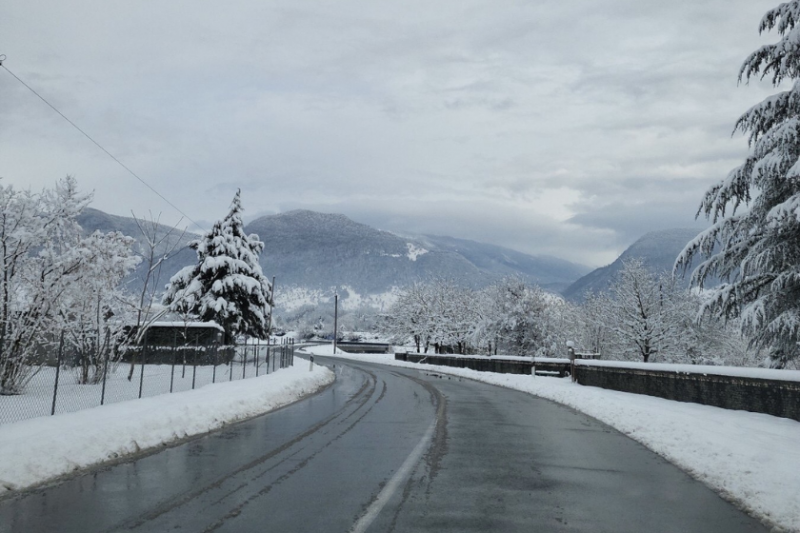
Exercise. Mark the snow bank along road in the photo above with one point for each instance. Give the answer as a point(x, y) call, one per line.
point(40, 449)
point(390, 449)
point(751, 458)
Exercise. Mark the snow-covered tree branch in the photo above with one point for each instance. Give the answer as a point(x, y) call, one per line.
point(753, 244)
point(39, 260)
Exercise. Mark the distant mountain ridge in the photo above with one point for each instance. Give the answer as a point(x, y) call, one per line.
point(92, 220)
point(657, 251)
point(320, 251)
point(316, 250)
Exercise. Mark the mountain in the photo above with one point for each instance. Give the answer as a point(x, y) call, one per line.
point(543, 270)
point(313, 254)
point(318, 250)
point(92, 220)
point(657, 250)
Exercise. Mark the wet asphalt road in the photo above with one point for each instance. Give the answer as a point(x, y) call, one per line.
point(387, 449)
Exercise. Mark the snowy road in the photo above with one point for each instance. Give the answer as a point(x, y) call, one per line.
point(389, 449)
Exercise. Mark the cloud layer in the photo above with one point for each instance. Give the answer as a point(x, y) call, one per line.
point(567, 128)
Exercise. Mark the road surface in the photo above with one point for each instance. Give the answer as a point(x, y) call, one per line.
point(387, 449)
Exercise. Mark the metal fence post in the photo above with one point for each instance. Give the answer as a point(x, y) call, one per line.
point(172, 368)
point(194, 359)
point(214, 361)
point(144, 358)
point(183, 353)
point(244, 359)
point(105, 366)
point(58, 371)
point(230, 366)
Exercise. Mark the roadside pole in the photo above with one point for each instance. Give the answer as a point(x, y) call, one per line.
point(335, 320)
point(58, 371)
point(144, 358)
point(105, 366)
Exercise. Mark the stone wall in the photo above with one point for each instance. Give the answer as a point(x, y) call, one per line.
point(773, 397)
point(770, 396)
point(481, 364)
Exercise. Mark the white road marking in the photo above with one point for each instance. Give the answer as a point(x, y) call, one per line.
point(397, 479)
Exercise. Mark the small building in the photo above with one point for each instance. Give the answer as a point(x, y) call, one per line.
point(179, 333)
point(178, 342)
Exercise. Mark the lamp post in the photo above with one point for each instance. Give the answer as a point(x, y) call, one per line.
point(335, 320)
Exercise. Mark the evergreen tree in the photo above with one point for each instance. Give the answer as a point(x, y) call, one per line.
point(753, 245)
point(226, 285)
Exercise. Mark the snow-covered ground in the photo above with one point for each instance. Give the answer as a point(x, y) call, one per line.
point(751, 459)
point(36, 450)
point(157, 379)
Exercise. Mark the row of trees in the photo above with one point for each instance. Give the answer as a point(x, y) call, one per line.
point(644, 316)
point(509, 316)
point(59, 285)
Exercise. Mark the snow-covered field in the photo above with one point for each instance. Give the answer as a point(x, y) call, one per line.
point(36, 450)
point(157, 379)
point(751, 459)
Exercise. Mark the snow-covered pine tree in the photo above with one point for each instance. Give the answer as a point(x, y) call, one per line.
point(226, 285)
point(753, 245)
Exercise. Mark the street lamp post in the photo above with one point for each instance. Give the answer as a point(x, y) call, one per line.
point(335, 320)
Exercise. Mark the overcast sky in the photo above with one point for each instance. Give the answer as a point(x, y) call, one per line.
point(561, 127)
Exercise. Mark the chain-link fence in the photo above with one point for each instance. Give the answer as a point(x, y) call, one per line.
point(70, 384)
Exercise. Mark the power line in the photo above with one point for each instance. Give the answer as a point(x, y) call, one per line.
point(109, 154)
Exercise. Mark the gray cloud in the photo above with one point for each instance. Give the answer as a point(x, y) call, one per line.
point(555, 127)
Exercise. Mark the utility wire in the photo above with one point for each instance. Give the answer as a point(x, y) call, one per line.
point(109, 154)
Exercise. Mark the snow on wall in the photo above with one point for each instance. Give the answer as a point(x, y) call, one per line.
point(732, 371)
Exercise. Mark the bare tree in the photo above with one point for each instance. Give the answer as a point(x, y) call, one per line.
point(156, 244)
